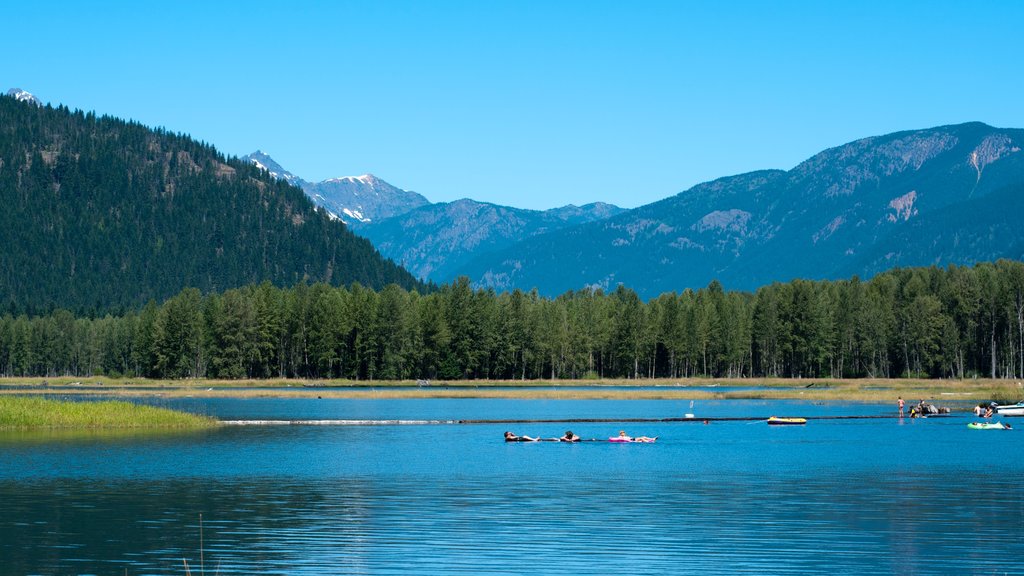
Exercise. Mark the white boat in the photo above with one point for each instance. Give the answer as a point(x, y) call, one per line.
point(1011, 409)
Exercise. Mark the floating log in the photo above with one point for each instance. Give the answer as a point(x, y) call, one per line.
point(332, 422)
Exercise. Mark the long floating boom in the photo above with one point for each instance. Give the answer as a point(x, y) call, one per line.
point(524, 421)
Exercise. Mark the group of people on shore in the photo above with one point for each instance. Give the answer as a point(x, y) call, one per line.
point(569, 436)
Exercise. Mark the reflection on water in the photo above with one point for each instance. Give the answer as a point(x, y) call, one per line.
point(846, 497)
point(20, 437)
point(677, 524)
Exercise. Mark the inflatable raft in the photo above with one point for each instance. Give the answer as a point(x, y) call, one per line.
point(988, 426)
point(776, 421)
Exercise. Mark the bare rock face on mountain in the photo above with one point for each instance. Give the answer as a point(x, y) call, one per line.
point(435, 240)
point(940, 196)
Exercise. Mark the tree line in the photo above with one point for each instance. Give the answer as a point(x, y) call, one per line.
point(957, 322)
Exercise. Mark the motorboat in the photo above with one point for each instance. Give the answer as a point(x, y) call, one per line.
point(1011, 409)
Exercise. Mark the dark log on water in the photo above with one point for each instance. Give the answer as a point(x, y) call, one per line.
point(538, 420)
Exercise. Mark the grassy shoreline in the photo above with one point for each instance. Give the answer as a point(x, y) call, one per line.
point(28, 412)
point(853, 390)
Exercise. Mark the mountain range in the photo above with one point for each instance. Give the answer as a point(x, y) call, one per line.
point(431, 240)
point(946, 195)
point(436, 241)
point(121, 213)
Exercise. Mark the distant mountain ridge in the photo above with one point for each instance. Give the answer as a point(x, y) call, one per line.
point(365, 199)
point(435, 241)
point(432, 240)
point(356, 200)
point(938, 196)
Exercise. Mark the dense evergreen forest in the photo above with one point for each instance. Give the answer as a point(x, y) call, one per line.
point(100, 214)
point(957, 322)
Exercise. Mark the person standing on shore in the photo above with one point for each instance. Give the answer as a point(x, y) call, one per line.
point(900, 403)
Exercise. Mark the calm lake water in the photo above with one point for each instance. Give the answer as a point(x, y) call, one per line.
point(834, 497)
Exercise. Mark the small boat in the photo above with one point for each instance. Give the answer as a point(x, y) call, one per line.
point(628, 440)
point(1011, 409)
point(988, 426)
point(776, 421)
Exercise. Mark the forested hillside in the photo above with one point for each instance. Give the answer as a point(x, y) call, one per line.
point(955, 322)
point(103, 214)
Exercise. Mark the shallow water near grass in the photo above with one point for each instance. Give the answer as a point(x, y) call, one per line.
point(873, 496)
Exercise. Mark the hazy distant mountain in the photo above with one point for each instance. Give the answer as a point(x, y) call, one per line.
point(356, 200)
point(23, 96)
point(431, 240)
point(360, 200)
point(435, 240)
point(951, 194)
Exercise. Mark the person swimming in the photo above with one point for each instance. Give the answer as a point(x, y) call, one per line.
point(510, 437)
point(624, 438)
point(569, 437)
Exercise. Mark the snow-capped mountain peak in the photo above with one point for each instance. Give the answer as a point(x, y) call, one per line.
point(23, 96)
point(263, 161)
point(365, 198)
point(368, 179)
point(354, 199)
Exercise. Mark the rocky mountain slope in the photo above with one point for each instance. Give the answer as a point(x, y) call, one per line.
point(435, 241)
point(937, 196)
point(431, 240)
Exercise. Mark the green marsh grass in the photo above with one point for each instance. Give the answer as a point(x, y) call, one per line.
point(24, 412)
point(873, 390)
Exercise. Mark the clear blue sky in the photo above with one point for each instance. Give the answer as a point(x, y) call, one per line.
point(533, 104)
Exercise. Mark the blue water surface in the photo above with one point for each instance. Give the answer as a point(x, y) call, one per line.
point(871, 496)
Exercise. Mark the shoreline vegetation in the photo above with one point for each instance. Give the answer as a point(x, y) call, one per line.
point(33, 412)
point(852, 390)
point(955, 323)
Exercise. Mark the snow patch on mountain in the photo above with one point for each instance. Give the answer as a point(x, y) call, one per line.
point(23, 96)
point(368, 179)
point(355, 215)
point(263, 161)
